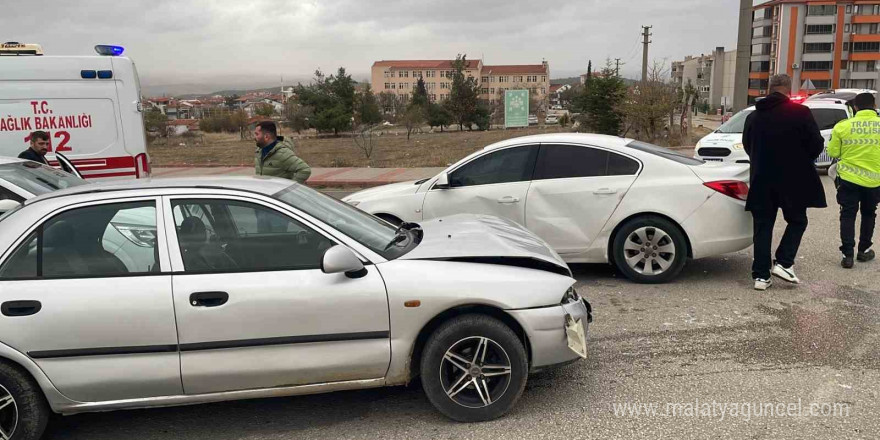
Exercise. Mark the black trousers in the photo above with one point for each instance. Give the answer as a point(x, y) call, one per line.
point(853, 199)
point(764, 220)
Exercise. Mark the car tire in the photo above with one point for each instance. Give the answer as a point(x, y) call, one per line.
point(634, 240)
point(455, 342)
point(26, 412)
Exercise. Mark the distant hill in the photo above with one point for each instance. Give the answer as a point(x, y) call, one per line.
point(571, 80)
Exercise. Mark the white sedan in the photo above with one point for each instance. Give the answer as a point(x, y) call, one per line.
point(593, 198)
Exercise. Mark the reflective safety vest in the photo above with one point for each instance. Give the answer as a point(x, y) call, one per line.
point(856, 142)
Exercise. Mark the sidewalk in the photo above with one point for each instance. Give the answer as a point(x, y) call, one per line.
point(321, 177)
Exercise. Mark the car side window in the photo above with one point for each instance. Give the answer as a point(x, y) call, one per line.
point(95, 241)
point(6, 194)
point(568, 161)
point(514, 164)
point(619, 165)
point(249, 238)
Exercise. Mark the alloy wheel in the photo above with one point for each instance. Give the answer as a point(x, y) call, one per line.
point(649, 250)
point(8, 414)
point(475, 372)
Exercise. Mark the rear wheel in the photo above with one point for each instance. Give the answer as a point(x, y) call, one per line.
point(649, 250)
point(474, 368)
point(24, 412)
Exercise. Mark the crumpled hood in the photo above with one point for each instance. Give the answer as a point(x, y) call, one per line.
point(484, 238)
point(384, 190)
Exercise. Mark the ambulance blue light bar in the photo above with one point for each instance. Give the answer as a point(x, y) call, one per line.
point(112, 51)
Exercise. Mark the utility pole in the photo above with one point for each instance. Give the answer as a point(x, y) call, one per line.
point(743, 56)
point(617, 66)
point(646, 33)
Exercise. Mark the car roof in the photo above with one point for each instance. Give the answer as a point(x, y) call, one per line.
point(254, 184)
point(577, 138)
point(6, 159)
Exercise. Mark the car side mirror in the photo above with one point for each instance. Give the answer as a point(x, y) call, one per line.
point(340, 259)
point(442, 181)
point(8, 205)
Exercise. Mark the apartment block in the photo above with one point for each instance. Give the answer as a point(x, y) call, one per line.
point(401, 76)
point(711, 74)
point(834, 44)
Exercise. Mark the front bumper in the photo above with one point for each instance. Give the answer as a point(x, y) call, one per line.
point(546, 330)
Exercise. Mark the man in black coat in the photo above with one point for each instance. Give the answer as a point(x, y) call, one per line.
point(783, 142)
point(38, 149)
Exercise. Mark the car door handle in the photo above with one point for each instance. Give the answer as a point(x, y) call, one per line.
point(508, 200)
point(208, 299)
point(20, 308)
point(605, 191)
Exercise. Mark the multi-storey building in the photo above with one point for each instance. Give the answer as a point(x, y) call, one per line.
point(401, 77)
point(712, 75)
point(834, 44)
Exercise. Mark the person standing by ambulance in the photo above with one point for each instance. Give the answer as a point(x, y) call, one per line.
point(38, 149)
point(856, 143)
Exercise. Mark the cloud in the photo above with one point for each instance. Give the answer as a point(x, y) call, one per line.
point(191, 40)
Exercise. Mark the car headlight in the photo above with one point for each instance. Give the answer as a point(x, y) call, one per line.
point(738, 146)
point(571, 295)
point(143, 236)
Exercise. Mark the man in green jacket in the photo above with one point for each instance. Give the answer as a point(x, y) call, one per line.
point(856, 142)
point(274, 155)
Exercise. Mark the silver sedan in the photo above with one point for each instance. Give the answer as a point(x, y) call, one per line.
point(256, 287)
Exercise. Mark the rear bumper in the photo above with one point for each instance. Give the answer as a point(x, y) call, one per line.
point(721, 225)
point(545, 328)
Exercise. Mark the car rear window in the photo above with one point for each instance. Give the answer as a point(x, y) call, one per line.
point(664, 153)
point(827, 118)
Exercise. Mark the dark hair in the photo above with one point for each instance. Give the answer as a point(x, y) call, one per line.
point(268, 127)
point(864, 101)
point(41, 135)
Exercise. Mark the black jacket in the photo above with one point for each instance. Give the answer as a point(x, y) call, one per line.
point(30, 154)
point(783, 142)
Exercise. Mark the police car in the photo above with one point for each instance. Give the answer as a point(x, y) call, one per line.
point(725, 144)
point(89, 105)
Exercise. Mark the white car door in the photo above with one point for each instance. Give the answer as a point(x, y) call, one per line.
point(98, 321)
point(495, 183)
point(575, 190)
point(254, 309)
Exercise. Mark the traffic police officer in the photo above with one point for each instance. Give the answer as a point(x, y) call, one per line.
point(856, 143)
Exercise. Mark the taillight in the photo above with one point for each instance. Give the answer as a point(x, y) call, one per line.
point(731, 188)
point(142, 166)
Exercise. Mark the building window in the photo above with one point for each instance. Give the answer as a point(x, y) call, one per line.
point(517, 79)
point(393, 86)
point(387, 74)
point(492, 90)
point(404, 74)
point(814, 29)
point(844, 64)
point(543, 79)
point(502, 79)
point(543, 90)
point(822, 10)
point(485, 90)
point(387, 86)
point(761, 49)
point(846, 28)
point(867, 10)
point(392, 74)
point(849, 9)
point(759, 84)
point(813, 47)
point(866, 46)
point(817, 65)
point(485, 79)
point(846, 46)
point(431, 74)
point(759, 66)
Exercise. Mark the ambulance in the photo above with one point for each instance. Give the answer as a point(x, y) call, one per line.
point(90, 106)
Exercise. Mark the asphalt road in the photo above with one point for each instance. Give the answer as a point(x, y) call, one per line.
point(706, 339)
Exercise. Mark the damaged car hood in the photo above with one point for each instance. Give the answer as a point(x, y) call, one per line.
point(486, 239)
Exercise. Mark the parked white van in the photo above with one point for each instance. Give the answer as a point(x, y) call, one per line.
point(89, 105)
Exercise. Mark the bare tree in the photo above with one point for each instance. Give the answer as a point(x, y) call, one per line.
point(648, 105)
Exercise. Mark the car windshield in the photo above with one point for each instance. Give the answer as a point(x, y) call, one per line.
point(664, 153)
point(735, 124)
point(370, 231)
point(37, 178)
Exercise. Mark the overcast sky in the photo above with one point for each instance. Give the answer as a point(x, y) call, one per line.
point(245, 42)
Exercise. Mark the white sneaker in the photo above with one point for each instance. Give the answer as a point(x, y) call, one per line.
point(785, 274)
point(762, 285)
